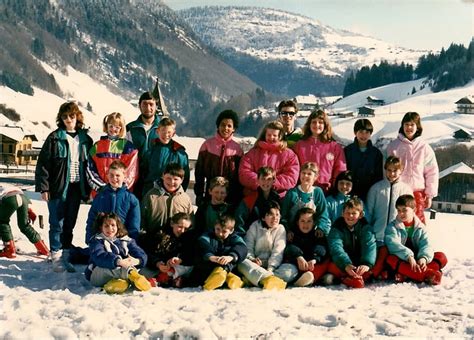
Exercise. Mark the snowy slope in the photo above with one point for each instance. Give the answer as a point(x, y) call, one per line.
point(278, 35)
point(37, 303)
point(436, 110)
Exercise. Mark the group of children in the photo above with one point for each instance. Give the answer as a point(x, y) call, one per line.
point(271, 217)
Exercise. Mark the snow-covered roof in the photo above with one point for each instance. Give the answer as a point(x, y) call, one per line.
point(459, 168)
point(309, 99)
point(14, 132)
point(464, 100)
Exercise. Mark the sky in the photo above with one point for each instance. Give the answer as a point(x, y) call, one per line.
point(417, 24)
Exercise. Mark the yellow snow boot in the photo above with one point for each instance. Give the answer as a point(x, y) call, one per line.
point(116, 286)
point(273, 283)
point(139, 281)
point(233, 281)
point(216, 279)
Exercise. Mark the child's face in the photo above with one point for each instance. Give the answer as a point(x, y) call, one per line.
point(226, 128)
point(266, 182)
point(171, 183)
point(116, 177)
point(351, 216)
point(109, 227)
point(165, 133)
point(409, 129)
point(272, 136)
point(308, 177)
point(181, 227)
point(363, 137)
point(113, 129)
point(405, 213)
point(344, 186)
point(69, 121)
point(393, 173)
point(218, 194)
point(272, 218)
point(223, 231)
point(316, 126)
point(306, 223)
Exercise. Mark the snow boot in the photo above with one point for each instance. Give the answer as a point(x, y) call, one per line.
point(41, 248)
point(216, 279)
point(56, 260)
point(328, 279)
point(433, 277)
point(67, 265)
point(116, 286)
point(353, 282)
point(306, 279)
point(273, 283)
point(9, 250)
point(233, 281)
point(139, 281)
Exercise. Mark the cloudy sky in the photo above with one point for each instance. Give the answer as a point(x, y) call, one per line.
point(418, 24)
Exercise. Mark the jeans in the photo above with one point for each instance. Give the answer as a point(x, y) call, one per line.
point(62, 218)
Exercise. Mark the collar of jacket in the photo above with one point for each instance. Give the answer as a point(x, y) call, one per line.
point(173, 145)
point(272, 147)
point(220, 139)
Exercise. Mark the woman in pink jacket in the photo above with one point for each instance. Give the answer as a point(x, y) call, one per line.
point(419, 162)
point(270, 150)
point(319, 146)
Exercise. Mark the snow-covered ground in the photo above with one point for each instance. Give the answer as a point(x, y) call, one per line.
point(36, 303)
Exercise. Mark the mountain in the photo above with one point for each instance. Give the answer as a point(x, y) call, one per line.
point(288, 53)
point(123, 44)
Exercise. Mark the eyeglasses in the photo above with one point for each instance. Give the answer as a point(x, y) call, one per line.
point(287, 113)
point(70, 115)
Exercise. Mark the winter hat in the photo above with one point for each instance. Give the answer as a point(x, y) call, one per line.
point(345, 175)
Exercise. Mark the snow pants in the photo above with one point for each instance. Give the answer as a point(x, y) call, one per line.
point(403, 267)
point(19, 204)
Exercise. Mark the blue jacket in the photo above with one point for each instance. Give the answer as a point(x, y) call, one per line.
point(366, 167)
point(105, 252)
point(356, 246)
point(335, 204)
point(380, 205)
point(141, 137)
point(121, 202)
point(209, 245)
point(296, 199)
point(396, 238)
point(158, 157)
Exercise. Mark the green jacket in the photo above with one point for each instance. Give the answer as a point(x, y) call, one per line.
point(356, 247)
point(140, 137)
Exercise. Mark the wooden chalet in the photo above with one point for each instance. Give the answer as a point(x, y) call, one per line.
point(465, 105)
point(456, 190)
point(374, 101)
point(366, 111)
point(16, 148)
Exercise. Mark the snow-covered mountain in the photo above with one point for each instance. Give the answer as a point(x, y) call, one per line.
point(271, 34)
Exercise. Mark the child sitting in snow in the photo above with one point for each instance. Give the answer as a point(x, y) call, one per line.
point(266, 241)
point(352, 245)
point(219, 251)
point(306, 253)
point(13, 200)
point(115, 257)
point(171, 252)
point(411, 254)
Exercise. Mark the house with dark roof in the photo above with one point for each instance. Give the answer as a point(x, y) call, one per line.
point(374, 101)
point(465, 105)
point(456, 190)
point(463, 135)
point(366, 111)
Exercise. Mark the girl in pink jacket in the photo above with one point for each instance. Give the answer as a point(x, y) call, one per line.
point(270, 150)
point(318, 146)
point(421, 171)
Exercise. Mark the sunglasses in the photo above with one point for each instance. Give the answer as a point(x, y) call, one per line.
point(65, 116)
point(287, 113)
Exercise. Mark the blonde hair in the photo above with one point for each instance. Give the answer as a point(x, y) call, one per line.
point(311, 166)
point(218, 181)
point(115, 117)
point(274, 125)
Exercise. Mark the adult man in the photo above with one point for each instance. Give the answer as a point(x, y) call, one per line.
point(287, 111)
point(142, 132)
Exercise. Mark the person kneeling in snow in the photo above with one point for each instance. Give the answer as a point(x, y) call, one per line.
point(115, 257)
point(410, 250)
point(13, 200)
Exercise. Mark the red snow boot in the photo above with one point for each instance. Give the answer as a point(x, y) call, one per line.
point(9, 250)
point(433, 277)
point(353, 282)
point(41, 248)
